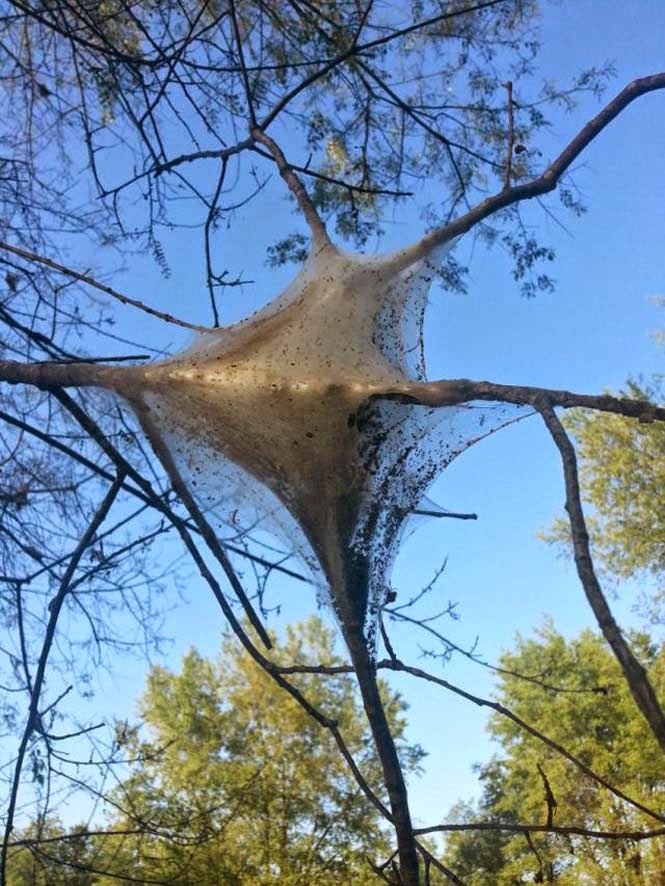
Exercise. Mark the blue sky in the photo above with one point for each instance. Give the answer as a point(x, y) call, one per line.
point(590, 334)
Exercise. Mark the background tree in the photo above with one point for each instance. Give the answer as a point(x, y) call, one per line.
point(232, 785)
point(576, 697)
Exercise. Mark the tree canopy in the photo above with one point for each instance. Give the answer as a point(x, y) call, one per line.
point(122, 120)
point(231, 785)
point(573, 694)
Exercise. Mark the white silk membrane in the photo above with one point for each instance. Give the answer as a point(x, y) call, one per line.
point(294, 423)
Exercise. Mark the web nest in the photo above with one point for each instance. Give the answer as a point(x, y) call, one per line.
point(297, 422)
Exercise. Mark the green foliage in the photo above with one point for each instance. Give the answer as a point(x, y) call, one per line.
point(292, 248)
point(623, 469)
point(592, 715)
point(236, 784)
point(55, 858)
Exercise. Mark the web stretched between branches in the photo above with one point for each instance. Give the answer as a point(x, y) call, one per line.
point(296, 422)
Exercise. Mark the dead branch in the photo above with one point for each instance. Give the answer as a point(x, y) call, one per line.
point(102, 287)
point(634, 673)
point(34, 717)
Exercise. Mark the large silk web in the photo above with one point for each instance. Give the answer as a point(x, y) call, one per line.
point(297, 423)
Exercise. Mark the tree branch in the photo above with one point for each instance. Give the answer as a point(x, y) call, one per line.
point(444, 392)
point(34, 720)
point(102, 287)
point(137, 493)
point(320, 238)
point(634, 673)
point(508, 173)
point(563, 830)
point(243, 66)
point(543, 184)
point(452, 392)
point(60, 375)
point(202, 524)
point(397, 665)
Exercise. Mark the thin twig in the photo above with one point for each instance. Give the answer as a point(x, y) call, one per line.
point(206, 238)
point(34, 720)
point(102, 287)
point(329, 179)
point(511, 137)
point(538, 876)
point(470, 654)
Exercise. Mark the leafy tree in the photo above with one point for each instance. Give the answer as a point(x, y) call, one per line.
point(235, 786)
point(576, 697)
point(45, 854)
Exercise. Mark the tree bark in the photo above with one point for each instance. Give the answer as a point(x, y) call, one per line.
point(634, 673)
point(385, 746)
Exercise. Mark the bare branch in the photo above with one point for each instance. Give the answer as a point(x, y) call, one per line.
point(243, 67)
point(634, 673)
point(511, 136)
point(102, 287)
point(320, 238)
point(563, 830)
point(34, 718)
point(61, 375)
point(451, 392)
point(396, 665)
point(341, 183)
point(431, 860)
